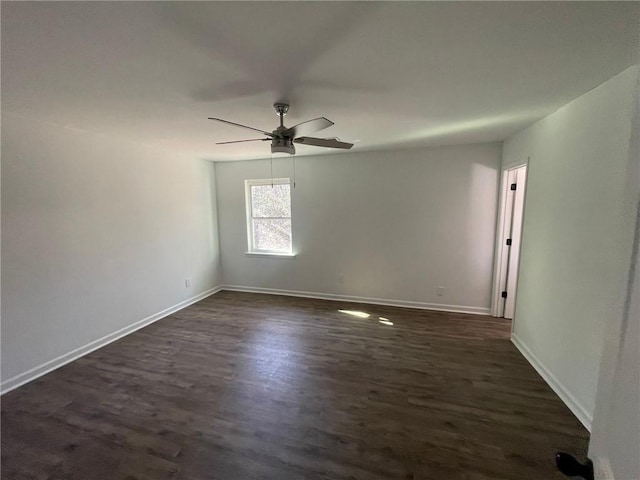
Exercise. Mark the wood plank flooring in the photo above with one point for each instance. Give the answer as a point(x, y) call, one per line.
point(246, 386)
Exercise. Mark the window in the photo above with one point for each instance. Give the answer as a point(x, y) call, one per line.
point(269, 216)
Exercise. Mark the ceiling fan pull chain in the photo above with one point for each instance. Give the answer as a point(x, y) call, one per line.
point(272, 170)
point(294, 171)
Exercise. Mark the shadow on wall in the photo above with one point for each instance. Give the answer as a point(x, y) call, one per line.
point(263, 68)
point(483, 191)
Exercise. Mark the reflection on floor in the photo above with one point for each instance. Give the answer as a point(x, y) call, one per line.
point(246, 386)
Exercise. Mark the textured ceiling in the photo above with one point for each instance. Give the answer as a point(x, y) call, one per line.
point(389, 74)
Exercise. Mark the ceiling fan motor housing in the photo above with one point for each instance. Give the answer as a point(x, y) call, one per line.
point(282, 145)
point(283, 138)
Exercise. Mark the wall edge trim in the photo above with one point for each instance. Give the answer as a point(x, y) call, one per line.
point(602, 469)
point(51, 365)
point(567, 398)
point(356, 299)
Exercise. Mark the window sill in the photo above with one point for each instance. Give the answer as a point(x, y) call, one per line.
point(272, 255)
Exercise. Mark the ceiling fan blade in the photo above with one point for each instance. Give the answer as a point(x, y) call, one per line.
point(269, 134)
point(307, 127)
point(323, 142)
point(240, 141)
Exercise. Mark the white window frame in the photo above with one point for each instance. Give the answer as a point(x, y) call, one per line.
point(252, 250)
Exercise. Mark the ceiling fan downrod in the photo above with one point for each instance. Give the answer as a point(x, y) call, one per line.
point(281, 143)
point(281, 111)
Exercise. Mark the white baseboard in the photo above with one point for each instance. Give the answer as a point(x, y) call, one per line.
point(602, 469)
point(350, 298)
point(569, 400)
point(32, 374)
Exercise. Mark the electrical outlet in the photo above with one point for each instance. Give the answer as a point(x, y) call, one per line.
point(439, 291)
point(187, 282)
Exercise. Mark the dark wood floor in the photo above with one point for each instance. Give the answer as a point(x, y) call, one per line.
point(244, 386)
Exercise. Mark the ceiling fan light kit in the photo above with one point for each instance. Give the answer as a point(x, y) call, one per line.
point(283, 145)
point(283, 138)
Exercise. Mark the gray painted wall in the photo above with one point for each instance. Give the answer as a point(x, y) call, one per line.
point(97, 234)
point(577, 235)
point(615, 437)
point(382, 225)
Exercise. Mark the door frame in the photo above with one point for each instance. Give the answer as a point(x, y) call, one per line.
point(503, 228)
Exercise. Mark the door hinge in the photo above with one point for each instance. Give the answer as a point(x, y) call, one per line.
point(508, 241)
point(504, 294)
point(514, 186)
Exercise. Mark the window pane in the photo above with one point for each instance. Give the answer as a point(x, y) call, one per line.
point(272, 234)
point(268, 201)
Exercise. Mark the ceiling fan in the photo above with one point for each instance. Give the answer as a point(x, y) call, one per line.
point(283, 138)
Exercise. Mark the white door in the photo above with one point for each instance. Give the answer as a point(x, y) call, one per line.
point(514, 244)
point(509, 238)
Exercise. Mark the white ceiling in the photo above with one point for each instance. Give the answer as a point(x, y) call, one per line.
point(389, 74)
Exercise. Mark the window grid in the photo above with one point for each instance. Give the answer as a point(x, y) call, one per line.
point(268, 225)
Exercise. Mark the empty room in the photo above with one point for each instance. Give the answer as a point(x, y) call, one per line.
point(320, 240)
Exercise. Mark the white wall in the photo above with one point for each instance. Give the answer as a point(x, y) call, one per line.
point(577, 236)
point(382, 225)
point(615, 437)
point(97, 234)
